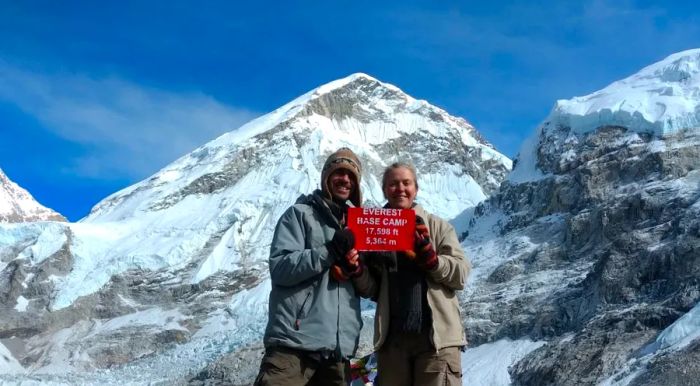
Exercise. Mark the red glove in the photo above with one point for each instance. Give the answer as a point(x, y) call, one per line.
point(425, 256)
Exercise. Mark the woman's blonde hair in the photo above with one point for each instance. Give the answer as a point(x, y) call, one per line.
point(398, 165)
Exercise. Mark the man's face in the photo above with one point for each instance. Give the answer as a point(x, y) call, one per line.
point(400, 189)
point(341, 183)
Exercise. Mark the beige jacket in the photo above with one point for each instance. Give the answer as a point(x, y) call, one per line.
point(449, 276)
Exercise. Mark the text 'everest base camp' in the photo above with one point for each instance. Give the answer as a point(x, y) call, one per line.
point(586, 256)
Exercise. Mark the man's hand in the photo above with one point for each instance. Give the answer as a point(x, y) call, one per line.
point(347, 267)
point(343, 241)
point(347, 261)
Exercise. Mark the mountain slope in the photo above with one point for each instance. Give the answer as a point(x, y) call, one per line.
point(17, 205)
point(593, 243)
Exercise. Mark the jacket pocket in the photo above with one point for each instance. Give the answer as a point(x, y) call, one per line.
point(276, 367)
point(443, 368)
point(455, 366)
point(302, 309)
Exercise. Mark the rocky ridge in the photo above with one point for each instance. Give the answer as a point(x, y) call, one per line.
point(594, 247)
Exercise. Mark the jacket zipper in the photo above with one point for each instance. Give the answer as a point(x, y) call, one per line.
point(432, 314)
point(337, 335)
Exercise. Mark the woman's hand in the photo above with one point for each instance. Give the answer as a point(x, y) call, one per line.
point(426, 258)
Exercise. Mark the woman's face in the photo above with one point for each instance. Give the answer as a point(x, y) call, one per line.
point(400, 188)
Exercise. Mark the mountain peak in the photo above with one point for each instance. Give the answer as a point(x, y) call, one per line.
point(342, 82)
point(17, 205)
point(680, 67)
point(356, 111)
point(360, 84)
point(661, 98)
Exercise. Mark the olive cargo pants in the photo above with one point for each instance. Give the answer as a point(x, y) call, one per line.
point(410, 360)
point(288, 367)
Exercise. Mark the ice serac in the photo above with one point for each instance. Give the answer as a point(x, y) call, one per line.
point(173, 270)
point(660, 99)
point(17, 205)
point(593, 242)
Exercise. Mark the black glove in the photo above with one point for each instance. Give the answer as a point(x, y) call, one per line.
point(347, 263)
point(347, 267)
point(343, 241)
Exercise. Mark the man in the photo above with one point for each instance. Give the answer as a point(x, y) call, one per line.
point(314, 317)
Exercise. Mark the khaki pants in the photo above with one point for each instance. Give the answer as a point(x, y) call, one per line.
point(288, 367)
point(411, 360)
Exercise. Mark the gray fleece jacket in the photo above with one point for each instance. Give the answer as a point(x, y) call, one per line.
point(308, 309)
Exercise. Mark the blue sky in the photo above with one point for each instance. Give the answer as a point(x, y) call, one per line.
point(95, 96)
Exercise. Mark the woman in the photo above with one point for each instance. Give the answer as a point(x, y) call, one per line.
point(418, 331)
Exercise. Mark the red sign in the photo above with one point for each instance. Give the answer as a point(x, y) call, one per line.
point(382, 229)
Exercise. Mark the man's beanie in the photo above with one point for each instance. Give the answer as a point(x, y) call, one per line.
point(344, 158)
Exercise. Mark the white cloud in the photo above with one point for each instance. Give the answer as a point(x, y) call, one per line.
point(127, 130)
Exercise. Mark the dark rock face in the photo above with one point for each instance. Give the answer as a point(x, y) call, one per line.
point(439, 150)
point(595, 352)
point(672, 369)
point(237, 368)
point(126, 294)
point(611, 257)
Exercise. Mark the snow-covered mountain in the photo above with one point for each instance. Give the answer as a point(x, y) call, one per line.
point(166, 276)
point(591, 248)
point(586, 259)
point(17, 205)
point(660, 99)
